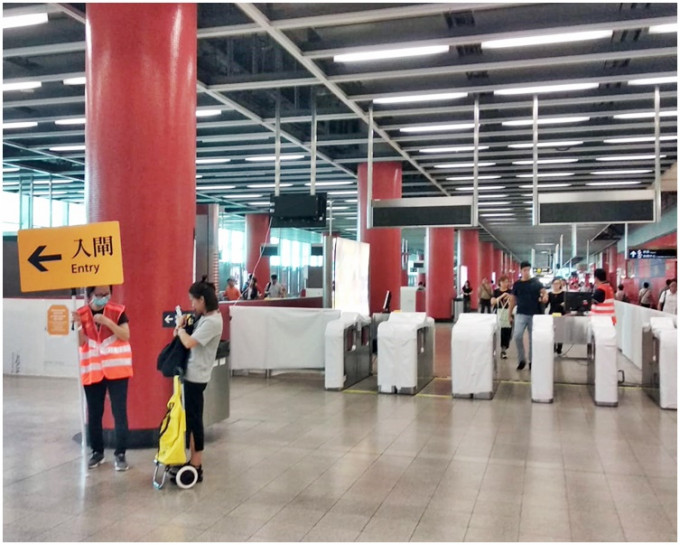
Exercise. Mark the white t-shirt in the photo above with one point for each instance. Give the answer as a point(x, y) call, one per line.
point(670, 302)
point(208, 332)
point(275, 290)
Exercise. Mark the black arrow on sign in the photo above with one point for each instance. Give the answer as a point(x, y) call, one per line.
point(36, 259)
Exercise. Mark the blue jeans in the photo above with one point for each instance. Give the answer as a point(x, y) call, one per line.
point(522, 322)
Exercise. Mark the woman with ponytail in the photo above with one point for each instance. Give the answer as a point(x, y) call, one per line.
point(202, 345)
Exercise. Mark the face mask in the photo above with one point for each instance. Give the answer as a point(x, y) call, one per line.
point(101, 301)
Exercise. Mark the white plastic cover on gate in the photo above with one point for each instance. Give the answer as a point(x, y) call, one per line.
point(472, 347)
point(278, 338)
point(398, 350)
point(542, 358)
point(606, 376)
point(666, 334)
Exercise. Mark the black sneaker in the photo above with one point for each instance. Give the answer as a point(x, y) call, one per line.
point(522, 365)
point(504, 356)
point(121, 464)
point(96, 459)
point(200, 474)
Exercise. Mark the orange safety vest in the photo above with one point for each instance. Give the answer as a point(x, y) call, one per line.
point(103, 355)
point(606, 308)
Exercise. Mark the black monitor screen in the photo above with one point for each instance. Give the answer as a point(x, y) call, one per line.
point(317, 249)
point(269, 250)
point(578, 301)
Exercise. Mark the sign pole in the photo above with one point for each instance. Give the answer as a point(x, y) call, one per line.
point(81, 395)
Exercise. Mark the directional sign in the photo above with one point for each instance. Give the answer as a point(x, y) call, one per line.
point(70, 257)
point(170, 317)
point(661, 253)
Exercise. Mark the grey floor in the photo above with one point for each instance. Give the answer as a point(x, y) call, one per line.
point(296, 463)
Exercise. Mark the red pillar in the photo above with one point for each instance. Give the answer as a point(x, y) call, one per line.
point(469, 249)
point(439, 266)
point(612, 262)
point(140, 170)
point(498, 263)
point(257, 232)
point(384, 268)
point(485, 260)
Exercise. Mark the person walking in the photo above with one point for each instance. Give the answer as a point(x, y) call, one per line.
point(485, 295)
point(252, 292)
point(231, 293)
point(645, 296)
point(557, 305)
point(670, 298)
point(663, 292)
point(501, 304)
point(620, 294)
point(202, 345)
point(528, 295)
point(105, 365)
point(467, 291)
point(273, 289)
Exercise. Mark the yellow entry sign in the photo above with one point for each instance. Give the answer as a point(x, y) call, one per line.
point(70, 257)
point(57, 320)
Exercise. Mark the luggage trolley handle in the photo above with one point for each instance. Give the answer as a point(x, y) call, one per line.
point(181, 373)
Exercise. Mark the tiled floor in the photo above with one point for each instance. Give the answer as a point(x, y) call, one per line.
point(296, 463)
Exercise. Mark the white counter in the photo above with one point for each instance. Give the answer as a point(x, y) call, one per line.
point(278, 337)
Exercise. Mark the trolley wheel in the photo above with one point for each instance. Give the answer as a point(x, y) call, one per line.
point(186, 476)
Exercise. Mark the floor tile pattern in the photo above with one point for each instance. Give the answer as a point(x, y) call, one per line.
point(297, 463)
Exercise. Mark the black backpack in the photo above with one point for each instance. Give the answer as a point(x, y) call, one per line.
point(173, 358)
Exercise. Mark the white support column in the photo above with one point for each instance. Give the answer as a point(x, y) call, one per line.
point(277, 148)
point(50, 199)
point(369, 170)
point(534, 198)
point(475, 167)
point(312, 161)
point(657, 155)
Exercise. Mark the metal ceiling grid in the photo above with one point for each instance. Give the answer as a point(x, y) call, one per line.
point(248, 54)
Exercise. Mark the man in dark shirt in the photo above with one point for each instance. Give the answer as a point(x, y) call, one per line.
point(528, 295)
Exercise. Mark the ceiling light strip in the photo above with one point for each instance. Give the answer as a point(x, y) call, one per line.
point(489, 88)
point(454, 41)
point(519, 64)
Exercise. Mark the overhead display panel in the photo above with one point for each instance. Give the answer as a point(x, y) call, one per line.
point(422, 212)
point(588, 207)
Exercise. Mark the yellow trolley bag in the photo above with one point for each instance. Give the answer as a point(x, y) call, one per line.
point(172, 443)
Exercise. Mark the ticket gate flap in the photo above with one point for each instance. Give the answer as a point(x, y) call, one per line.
point(418, 318)
point(657, 323)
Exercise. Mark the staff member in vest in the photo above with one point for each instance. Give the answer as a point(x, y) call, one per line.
point(105, 364)
point(603, 296)
point(529, 295)
point(202, 345)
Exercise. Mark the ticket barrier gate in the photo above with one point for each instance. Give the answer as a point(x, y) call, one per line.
point(602, 362)
point(405, 353)
point(474, 367)
point(659, 361)
point(347, 351)
point(542, 359)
